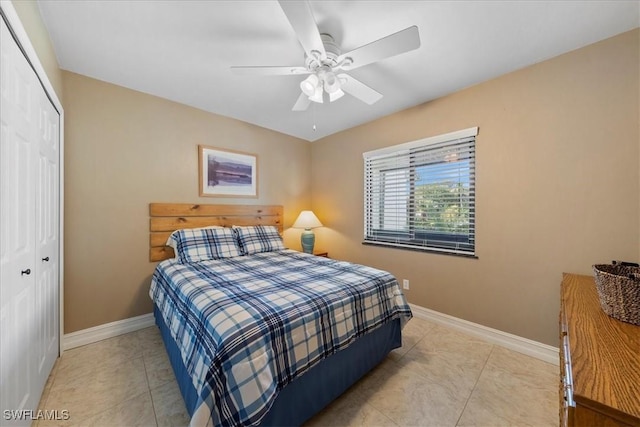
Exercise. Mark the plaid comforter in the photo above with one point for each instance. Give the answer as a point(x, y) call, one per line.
point(247, 326)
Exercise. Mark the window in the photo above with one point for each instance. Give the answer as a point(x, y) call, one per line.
point(421, 194)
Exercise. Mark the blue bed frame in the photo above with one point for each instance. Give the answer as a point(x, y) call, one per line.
point(309, 393)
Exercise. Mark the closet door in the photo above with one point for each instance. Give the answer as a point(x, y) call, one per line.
point(46, 212)
point(20, 321)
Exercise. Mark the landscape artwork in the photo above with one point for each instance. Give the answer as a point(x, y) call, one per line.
point(227, 173)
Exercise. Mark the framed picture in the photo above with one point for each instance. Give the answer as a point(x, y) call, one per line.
point(227, 173)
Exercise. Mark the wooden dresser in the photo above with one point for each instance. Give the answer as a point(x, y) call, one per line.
point(599, 360)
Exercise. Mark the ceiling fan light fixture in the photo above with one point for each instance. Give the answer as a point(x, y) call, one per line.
point(310, 85)
point(317, 95)
point(334, 96)
point(331, 83)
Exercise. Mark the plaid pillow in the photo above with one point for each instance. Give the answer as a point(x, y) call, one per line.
point(258, 238)
point(201, 244)
point(173, 241)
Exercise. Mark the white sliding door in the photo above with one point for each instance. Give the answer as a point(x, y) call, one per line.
point(17, 210)
point(29, 234)
point(46, 212)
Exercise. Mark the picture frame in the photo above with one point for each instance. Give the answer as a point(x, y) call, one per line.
point(227, 173)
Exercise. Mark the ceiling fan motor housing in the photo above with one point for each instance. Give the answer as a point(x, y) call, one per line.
point(332, 50)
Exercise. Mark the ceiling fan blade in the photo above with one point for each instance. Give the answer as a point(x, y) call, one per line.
point(358, 89)
point(386, 47)
point(302, 103)
point(269, 71)
point(301, 19)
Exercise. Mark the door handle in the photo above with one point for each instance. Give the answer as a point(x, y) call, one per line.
point(27, 272)
point(45, 259)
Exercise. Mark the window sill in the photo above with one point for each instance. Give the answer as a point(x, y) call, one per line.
point(419, 249)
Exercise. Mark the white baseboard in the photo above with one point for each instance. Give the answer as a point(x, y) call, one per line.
point(108, 330)
point(526, 346)
point(531, 348)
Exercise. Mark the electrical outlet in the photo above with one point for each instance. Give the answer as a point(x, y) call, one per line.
point(405, 284)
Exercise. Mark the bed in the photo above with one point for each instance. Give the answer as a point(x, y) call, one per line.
point(258, 334)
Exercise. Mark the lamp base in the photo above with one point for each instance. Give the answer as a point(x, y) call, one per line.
point(307, 239)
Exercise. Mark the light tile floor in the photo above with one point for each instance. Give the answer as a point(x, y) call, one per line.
point(440, 377)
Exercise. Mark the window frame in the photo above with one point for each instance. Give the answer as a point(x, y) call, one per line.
point(409, 157)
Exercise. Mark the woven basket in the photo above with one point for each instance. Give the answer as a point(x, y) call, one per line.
point(619, 291)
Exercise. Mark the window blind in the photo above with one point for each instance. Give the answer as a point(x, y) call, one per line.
point(421, 194)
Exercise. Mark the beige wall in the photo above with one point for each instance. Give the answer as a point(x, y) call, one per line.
point(125, 149)
point(557, 186)
point(31, 20)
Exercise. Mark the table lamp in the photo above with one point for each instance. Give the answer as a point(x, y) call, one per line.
point(307, 220)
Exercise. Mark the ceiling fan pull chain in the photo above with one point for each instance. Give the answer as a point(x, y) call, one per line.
point(314, 117)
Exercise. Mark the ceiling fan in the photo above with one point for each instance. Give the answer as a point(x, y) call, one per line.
point(325, 63)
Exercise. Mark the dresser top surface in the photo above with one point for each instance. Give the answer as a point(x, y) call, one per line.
point(605, 352)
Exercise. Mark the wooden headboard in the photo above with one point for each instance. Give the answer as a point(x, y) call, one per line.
point(168, 217)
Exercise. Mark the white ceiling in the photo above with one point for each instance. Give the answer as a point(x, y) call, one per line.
point(182, 50)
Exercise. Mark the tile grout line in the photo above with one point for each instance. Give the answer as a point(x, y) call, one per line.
point(382, 413)
point(137, 355)
point(54, 371)
point(42, 404)
point(493, 346)
point(111, 408)
point(417, 341)
point(146, 376)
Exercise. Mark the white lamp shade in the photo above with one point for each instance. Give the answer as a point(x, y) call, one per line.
point(331, 83)
point(333, 96)
point(317, 96)
point(309, 85)
point(307, 220)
